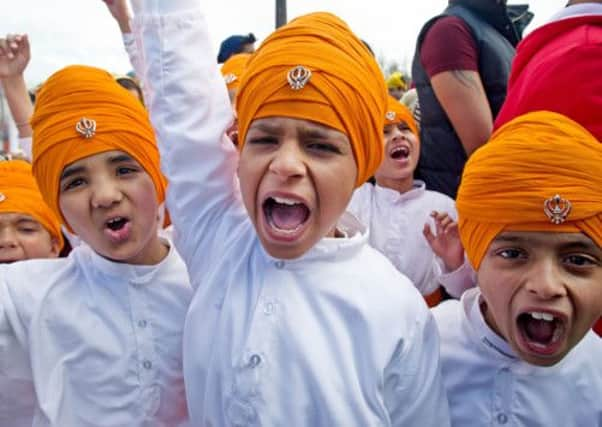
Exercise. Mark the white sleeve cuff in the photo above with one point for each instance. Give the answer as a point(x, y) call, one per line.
point(459, 280)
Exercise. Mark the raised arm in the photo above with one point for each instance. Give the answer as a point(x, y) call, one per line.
point(190, 111)
point(121, 14)
point(14, 57)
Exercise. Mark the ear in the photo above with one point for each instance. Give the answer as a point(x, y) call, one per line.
point(55, 249)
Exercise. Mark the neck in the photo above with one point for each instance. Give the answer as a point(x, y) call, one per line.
point(400, 185)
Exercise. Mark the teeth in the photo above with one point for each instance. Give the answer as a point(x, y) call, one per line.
point(285, 201)
point(114, 220)
point(542, 316)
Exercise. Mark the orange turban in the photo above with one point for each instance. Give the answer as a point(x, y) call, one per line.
point(233, 68)
point(397, 112)
point(511, 182)
point(19, 193)
point(316, 69)
point(65, 101)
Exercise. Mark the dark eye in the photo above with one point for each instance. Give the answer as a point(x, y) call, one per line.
point(324, 147)
point(73, 183)
point(125, 170)
point(579, 260)
point(402, 126)
point(263, 140)
point(512, 253)
point(27, 230)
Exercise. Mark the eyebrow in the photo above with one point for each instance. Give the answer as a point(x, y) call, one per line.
point(579, 241)
point(74, 170)
point(119, 158)
point(314, 133)
point(71, 170)
point(266, 127)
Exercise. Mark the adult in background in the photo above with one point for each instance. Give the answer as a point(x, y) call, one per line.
point(460, 69)
point(236, 44)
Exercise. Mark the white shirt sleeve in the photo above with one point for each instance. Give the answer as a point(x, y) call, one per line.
point(459, 280)
point(17, 395)
point(190, 111)
point(411, 372)
point(25, 144)
point(133, 51)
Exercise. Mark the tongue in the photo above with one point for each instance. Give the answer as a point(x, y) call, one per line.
point(540, 330)
point(287, 217)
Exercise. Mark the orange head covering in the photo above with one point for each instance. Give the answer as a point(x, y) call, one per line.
point(19, 193)
point(315, 68)
point(233, 68)
point(81, 111)
point(397, 112)
point(511, 182)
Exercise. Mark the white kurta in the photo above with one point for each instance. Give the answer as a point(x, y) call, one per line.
point(395, 221)
point(489, 386)
point(337, 337)
point(100, 341)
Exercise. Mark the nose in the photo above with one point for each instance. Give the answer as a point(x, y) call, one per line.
point(546, 281)
point(8, 238)
point(106, 193)
point(288, 161)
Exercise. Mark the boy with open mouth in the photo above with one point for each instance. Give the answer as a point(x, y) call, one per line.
point(296, 320)
point(519, 347)
point(400, 212)
point(102, 328)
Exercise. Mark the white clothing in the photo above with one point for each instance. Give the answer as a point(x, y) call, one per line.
point(101, 341)
point(395, 221)
point(335, 338)
point(576, 10)
point(488, 385)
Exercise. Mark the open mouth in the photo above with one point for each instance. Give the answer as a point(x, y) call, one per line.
point(117, 228)
point(542, 332)
point(400, 152)
point(285, 216)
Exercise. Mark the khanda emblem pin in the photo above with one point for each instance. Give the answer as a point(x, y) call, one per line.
point(298, 77)
point(390, 115)
point(86, 127)
point(557, 209)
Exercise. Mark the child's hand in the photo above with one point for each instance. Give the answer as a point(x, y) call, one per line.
point(14, 55)
point(446, 242)
point(120, 11)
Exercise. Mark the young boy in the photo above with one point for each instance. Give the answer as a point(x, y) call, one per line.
point(517, 349)
point(398, 209)
point(296, 320)
point(28, 228)
point(103, 327)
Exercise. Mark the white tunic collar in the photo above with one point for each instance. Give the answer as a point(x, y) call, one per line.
point(139, 274)
point(331, 248)
point(418, 188)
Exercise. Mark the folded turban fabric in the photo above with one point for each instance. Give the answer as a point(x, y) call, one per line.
point(527, 162)
point(316, 69)
point(19, 193)
point(233, 68)
point(82, 111)
point(398, 112)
